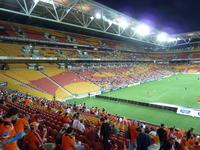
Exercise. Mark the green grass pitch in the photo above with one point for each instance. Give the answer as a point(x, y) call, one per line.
point(170, 90)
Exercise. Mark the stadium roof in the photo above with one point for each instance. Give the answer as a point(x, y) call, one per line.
point(92, 16)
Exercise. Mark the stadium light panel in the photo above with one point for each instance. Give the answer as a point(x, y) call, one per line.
point(98, 16)
point(162, 37)
point(143, 30)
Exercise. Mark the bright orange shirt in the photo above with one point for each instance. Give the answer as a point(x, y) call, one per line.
point(68, 142)
point(20, 125)
point(183, 144)
point(181, 133)
point(195, 148)
point(191, 142)
point(27, 101)
point(33, 139)
point(65, 119)
point(8, 131)
point(133, 132)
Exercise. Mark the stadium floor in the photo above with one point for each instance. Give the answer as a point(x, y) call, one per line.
point(169, 90)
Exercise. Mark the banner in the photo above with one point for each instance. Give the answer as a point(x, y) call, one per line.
point(188, 111)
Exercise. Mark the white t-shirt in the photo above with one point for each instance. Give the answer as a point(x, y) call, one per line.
point(75, 124)
point(81, 127)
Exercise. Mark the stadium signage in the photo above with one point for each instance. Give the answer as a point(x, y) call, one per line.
point(3, 83)
point(188, 111)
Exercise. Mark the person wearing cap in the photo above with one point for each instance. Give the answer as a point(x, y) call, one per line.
point(33, 138)
point(8, 135)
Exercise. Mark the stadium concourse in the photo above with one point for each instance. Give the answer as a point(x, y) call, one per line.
point(77, 75)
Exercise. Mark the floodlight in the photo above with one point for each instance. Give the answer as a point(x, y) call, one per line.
point(143, 30)
point(98, 16)
point(133, 28)
point(110, 22)
point(92, 17)
point(123, 23)
point(162, 37)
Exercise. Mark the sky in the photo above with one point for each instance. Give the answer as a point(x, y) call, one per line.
point(171, 16)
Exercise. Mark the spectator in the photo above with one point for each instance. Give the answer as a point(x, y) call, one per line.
point(189, 133)
point(76, 121)
point(34, 139)
point(68, 140)
point(26, 101)
point(105, 133)
point(92, 136)
point(65, 118)
point(81, 126)
point(61, 133)
point(7, 131)
point(133, 135)
point(162, 134)
point(184, 143)
point(22, 123)
point(143, 140)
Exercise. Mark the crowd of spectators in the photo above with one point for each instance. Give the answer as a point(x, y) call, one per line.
point(121, 75)
point(24, 124)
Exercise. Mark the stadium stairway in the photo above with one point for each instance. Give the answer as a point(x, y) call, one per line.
point(56, 83)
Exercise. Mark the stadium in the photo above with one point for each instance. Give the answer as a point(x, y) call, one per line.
point(79, 75)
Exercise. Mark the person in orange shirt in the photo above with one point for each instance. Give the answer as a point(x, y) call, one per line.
point(179, 133)
point(191, 141)
point(8, 134)
point(17, 100)
point(22, 123)
point(59, 116)
point(68, 140)
point(65, 118)
point(184, 143)
point(196, 146)
point(33, 138)
point(26, 102)
point(133, 134)
point(20, 126)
